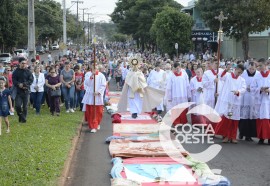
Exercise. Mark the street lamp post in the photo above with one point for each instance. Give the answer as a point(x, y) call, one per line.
point(176, 48)
point(221, 18)
point(83, 9)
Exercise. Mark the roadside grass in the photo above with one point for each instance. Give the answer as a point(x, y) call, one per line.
point(34, 153)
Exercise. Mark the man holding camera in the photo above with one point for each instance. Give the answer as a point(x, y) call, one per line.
point(22, 78)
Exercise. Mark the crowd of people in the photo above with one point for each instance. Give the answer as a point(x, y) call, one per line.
point(238, 90)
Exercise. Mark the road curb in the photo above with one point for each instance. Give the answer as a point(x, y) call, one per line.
point(64, 175)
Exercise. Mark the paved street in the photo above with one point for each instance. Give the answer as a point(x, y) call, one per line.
point(44, 57)
point(245, 164)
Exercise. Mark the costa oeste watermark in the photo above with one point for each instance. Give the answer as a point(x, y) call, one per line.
point(190, 134)
point(194, 133)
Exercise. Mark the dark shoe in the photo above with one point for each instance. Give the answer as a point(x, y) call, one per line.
point(23, 120)
point(134, 115)
point(261, 142)
point(20, 119)
point(159, 112)
point(268, 141)
point(241, 136)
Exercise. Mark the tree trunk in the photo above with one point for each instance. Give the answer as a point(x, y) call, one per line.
point(142, 44)
point(138, 43)
point(245, 45)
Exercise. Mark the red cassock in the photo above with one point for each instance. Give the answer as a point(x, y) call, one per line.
point(227, 128)
point(94, 115)
point(182, 119)
point(263, 128)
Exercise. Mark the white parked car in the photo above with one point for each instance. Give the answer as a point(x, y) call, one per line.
point(21, 53)
point(5, 57)
point(55, 46)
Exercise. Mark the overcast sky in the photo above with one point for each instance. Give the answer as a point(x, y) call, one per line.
point(101, 7)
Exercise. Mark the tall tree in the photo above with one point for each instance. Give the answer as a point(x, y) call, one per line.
point(48, 18)
point(244, 17)
point(135, 17)
point(172, 26)
point(8, 24)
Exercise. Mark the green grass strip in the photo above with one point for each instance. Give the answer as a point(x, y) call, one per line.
point(34, 153)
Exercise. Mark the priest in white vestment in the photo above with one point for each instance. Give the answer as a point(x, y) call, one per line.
point(260, 89)
point(229, 104)
point(136, 95)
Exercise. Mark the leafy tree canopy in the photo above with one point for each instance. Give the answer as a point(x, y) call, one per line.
point(48, 21)
point(244, 17)
point(172, 26)
point(135, 17)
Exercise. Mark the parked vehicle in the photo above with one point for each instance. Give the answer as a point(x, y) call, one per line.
point(47, 49)
point(40, 50)
point(5, 57)
point(55, 46)
point(21, 53)
point(14, 61)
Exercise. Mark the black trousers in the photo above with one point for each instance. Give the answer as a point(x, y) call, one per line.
point(21, 102)
point(247, 127)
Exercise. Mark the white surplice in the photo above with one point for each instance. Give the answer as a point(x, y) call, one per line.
point(100, 87)
point(156, 79)
point(227, 101)
point(262, 100)
point(177, 89)
point(248, 110)
point(210, 86)
point(197, 97)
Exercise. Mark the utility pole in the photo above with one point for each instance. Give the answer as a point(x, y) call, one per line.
point(64, 26)
point(83, 26)
point(88, 32)
point(91, 36)
point(81, 2)
point(31, 29)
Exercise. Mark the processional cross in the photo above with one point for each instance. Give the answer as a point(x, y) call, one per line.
point(221, 18)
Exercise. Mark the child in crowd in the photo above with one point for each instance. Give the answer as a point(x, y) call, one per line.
point(6, 103)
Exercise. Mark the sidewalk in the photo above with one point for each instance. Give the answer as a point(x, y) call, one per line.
point(91, 164)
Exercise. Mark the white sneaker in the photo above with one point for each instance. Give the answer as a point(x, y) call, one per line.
point(67, 111)
point(8, 131)
point(98, 127)
point(93, 131)
point(71, 110)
